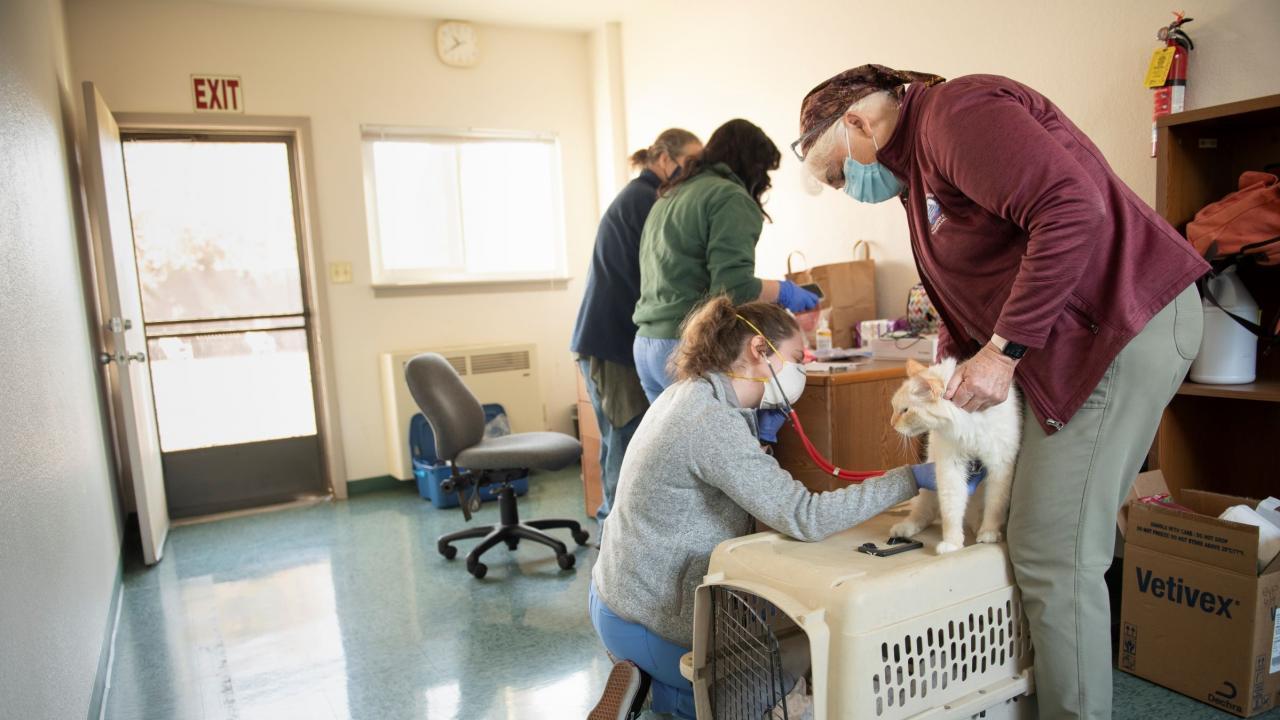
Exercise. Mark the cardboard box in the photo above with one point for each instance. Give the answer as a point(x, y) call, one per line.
point(1197, 616)
point(923, 349)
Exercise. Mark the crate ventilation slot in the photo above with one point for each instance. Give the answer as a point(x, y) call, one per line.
point(969, 644)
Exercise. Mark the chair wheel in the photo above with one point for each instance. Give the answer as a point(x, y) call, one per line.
point(513, 543)
point(478, 570)
point(565, 561)
point(448, 551)
point(581, 537)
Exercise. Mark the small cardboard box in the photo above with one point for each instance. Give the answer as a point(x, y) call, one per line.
point(922, 349)
point(1197, 616)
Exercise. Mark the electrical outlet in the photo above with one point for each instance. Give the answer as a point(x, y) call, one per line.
point(340, 272)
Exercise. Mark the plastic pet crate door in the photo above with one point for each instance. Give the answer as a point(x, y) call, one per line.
point(757, 659)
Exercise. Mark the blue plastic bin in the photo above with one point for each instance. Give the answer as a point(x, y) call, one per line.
point(430, 472)
point(430, 477)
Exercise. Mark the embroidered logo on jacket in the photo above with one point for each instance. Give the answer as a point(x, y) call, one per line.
point(936, 218)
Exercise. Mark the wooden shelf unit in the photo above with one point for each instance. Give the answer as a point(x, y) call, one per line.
point(1221, 437)
point(1261, 390)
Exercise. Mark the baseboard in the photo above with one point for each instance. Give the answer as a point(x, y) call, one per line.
point(97, 701)
point(258, 510)
point(374, 484)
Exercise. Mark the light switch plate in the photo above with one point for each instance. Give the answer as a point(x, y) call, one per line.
point(340, 272)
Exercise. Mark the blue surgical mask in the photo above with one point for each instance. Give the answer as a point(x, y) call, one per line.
point(869, 183)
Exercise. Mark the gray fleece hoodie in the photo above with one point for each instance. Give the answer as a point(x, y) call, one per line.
point(694, 475)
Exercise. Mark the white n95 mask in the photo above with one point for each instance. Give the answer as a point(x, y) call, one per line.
point(785, 387)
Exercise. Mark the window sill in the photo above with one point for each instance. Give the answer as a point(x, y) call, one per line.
point(471, 284)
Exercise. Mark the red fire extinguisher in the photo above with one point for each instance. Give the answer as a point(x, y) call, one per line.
point(1171, 96)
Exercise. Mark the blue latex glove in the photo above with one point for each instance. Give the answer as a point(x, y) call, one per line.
point(795, 298)
point(927, 478)
point(770, 421)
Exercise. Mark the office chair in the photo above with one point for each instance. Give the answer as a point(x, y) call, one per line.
point(457, 421)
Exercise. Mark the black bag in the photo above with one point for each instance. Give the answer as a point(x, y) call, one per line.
point(1247, 258)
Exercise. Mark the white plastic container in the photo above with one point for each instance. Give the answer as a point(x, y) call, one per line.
point(912, 635)
point(822, 337)
point(1270, 509)
point(1228, 352)
point(1268, 534)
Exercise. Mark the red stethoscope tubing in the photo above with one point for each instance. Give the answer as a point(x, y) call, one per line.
point(853, 476)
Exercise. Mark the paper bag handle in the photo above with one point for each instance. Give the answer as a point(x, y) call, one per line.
point(793, 254)
point(866, 249)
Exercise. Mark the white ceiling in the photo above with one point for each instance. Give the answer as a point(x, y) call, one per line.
point(575, 14)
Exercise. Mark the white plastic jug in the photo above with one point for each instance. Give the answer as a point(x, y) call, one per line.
point(1228, 351)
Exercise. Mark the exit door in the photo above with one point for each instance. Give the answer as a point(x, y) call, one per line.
point(227, 327)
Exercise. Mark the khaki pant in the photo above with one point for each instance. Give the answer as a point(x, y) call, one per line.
point(1067, 489)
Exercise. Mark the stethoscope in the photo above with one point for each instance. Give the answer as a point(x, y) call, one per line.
point(853, 476)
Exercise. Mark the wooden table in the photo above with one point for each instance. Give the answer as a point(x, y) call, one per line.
point(846, 415)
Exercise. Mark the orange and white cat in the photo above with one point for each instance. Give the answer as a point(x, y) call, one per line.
point(956, 439)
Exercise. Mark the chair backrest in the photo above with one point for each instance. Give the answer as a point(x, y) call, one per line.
point(456, 417)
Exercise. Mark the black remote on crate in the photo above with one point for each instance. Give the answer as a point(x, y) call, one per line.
point(898, 545)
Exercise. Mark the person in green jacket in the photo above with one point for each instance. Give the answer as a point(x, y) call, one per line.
point(700, 240)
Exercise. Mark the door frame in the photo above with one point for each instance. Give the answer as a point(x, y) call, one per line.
point(297, 131)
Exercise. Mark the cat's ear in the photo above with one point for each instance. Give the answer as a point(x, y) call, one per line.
point(936, 386)
point(921, 390)
point(914, 368)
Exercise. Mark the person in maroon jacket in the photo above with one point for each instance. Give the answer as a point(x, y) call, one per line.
point(1046, 269)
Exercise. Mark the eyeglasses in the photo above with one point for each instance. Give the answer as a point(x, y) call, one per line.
point(816, 131)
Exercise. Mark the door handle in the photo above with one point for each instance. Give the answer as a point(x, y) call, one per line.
point(107, 358)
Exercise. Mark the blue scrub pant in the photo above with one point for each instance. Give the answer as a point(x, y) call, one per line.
point(613, 443)
point(659, 658)
point(652, 355)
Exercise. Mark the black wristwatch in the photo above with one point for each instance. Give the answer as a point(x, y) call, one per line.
point(1014, 350)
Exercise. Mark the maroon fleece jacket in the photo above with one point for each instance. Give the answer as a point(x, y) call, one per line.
point(1020, 228)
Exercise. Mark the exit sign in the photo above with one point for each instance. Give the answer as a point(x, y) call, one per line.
point(217, 93)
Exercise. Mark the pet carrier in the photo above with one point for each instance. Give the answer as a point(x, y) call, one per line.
point(903, 634)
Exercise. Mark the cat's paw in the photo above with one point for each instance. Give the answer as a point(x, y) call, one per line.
point(990, 536)
point(945, 547)
point(905, 529)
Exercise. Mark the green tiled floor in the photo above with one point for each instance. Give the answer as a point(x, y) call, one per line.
point(346, 611)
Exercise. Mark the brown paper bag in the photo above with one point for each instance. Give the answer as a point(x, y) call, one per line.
point(848, 291)
point(808, 320)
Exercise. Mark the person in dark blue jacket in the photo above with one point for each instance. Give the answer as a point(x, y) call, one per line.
point(604, 333)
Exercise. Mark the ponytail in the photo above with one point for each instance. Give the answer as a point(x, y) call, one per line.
point(670, 142)
point(713, 335)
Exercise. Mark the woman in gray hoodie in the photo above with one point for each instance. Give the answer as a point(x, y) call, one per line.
point(695, 476)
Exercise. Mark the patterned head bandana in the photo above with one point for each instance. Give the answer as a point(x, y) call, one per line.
point(829, 100)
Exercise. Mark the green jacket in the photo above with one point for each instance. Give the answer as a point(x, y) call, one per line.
point(698, 241)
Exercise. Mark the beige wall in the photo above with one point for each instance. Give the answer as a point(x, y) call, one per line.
point(697, 64)
point(59, 526)
point(687, 64)
point(343, 71)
